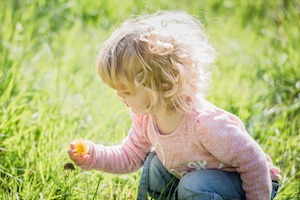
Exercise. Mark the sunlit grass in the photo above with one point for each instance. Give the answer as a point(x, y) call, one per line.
point(50, 93)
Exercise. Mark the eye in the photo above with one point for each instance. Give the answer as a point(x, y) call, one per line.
point(127, 93)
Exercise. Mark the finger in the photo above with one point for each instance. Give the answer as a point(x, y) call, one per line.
point(74, 156)
point(82, 160)
point(72, 145)
point(79, 160)
point(71, 152)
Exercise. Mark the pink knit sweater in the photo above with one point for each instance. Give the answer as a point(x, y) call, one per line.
point(210, 138)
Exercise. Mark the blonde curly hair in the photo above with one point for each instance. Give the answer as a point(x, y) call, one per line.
point(165, 53)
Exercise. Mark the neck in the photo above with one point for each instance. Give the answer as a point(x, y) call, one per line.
point(168, 121)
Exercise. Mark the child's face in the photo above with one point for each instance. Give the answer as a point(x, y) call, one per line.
point(138, 102)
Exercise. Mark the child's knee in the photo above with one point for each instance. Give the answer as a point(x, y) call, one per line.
point(193, 187)
point(210, 184)
point(192, 182)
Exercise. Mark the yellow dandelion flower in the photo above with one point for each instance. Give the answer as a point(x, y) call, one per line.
point(80, 147)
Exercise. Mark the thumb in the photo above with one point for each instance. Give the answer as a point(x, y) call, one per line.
point(72, 145)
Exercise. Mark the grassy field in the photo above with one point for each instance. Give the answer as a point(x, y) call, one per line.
point(50, 93)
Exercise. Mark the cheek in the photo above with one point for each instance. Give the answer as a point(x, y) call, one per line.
point(146, 101)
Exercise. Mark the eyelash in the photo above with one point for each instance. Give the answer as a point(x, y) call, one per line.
point(127, 93)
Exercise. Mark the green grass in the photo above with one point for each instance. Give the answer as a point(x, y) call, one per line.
point(50, 93)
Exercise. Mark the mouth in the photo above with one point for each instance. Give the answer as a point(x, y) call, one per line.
point(125, 103)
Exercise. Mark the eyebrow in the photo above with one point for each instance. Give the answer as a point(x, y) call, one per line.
point(124, 90)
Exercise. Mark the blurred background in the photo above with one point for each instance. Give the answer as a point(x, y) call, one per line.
point(50, 93)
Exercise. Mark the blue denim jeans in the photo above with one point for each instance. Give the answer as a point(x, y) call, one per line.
point(158, 183)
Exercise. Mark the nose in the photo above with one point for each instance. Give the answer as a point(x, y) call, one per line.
point(120, 94)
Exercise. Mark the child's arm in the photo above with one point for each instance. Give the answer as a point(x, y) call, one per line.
point(124, 158)
point(225, 137)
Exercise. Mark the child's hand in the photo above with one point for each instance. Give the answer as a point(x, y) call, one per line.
point(79, 152)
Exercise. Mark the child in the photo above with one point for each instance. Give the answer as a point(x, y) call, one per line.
point(190, 149)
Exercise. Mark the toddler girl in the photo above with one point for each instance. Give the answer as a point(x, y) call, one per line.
point(190, 148)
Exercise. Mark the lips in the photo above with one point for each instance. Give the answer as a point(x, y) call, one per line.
point(125, 103)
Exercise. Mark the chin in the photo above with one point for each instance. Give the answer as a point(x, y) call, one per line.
point(136, 112)
point(140, 112)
